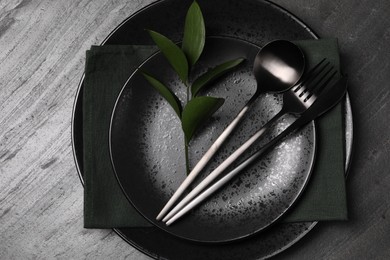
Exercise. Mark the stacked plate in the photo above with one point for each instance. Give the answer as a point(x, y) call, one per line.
point(239, 214)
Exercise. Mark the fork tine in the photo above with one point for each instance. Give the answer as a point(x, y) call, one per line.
point(314, 79)
point(310, 74)
point(316, 85)
point(312, 96)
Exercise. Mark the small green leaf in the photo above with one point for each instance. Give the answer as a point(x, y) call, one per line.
point(172, 53)
point(194, 34)
point(196, 112)
point(164, 91)
point(213, 74)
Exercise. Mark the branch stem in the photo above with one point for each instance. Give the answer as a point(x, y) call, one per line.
point(186, 157)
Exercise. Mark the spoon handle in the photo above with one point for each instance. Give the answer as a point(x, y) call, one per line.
point(205, 158)
point(222, 167)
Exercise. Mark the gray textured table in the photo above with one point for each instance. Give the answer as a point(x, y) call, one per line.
point(42, 58)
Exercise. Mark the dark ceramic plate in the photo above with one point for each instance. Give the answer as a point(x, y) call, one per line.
point(146, 144)
point(252, 20)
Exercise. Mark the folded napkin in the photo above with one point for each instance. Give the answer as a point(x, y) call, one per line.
point(106, 71)
point(105, 206)
point(325, 195)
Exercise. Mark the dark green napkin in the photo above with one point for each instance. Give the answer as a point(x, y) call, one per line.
point(105, 206)
point(106, 71)
point(325, 196)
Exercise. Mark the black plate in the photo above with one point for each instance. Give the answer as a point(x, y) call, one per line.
point(252, 20)
point(146, 145)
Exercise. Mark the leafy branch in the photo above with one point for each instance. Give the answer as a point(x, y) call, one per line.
point(197, 108)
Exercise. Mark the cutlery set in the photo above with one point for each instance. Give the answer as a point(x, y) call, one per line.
point(279, 64)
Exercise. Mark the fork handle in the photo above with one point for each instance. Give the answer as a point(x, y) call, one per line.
point(214, 174)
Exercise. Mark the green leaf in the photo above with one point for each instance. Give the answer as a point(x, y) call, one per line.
point(194, 34)
point(213, 74)
point(196, 112)
point(172, 53)
point(165, 92)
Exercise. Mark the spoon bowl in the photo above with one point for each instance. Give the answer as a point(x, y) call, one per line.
point(278, 66)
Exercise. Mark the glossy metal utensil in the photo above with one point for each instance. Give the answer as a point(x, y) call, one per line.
point(277, 67)
point(295, 101)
